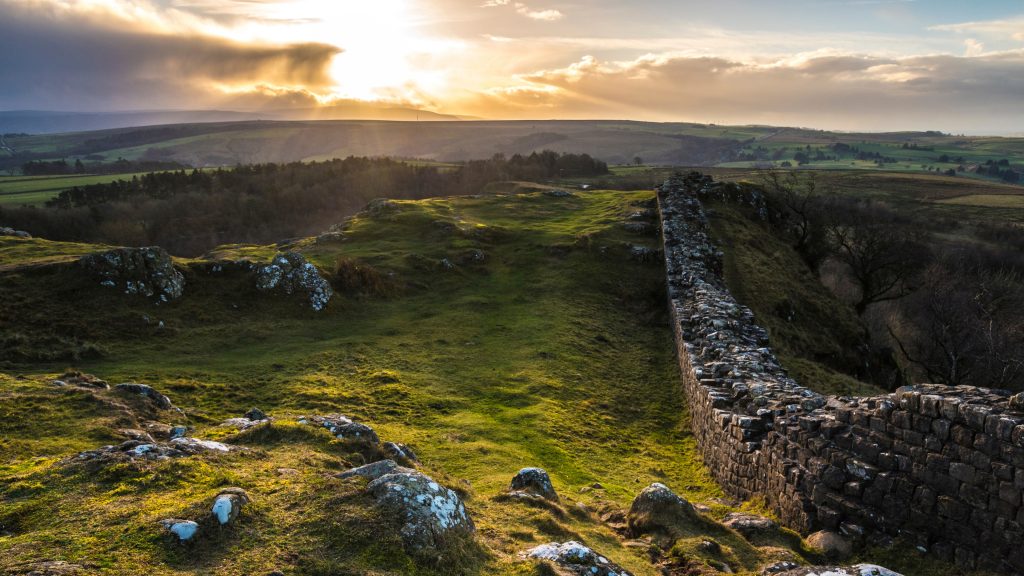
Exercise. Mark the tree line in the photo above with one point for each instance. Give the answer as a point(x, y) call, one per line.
point(191, 211)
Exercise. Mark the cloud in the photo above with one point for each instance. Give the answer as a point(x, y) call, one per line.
point(63, 57)
point(842, 91)
point(548, 15)
point(1009, 28)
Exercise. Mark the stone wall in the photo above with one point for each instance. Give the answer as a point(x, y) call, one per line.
point(942, 467)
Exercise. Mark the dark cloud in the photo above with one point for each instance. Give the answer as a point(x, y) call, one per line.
point(82, 64)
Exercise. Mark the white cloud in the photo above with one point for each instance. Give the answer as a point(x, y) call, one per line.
point(547, 15)
point(1009, 28)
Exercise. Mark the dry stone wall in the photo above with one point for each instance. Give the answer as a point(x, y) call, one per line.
point(942, 467)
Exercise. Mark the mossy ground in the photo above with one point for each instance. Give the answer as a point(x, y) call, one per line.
point(554, 352)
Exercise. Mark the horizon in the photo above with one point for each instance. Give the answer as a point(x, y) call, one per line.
point(843, 65)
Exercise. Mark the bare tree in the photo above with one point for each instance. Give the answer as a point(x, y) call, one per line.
point(882, 257)
point(963, 326)
point(805, 208)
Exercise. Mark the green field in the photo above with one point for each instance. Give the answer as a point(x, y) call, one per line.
point(36, 190)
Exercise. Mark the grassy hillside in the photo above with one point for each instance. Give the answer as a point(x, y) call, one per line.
point(36, 190)
point(553, 352)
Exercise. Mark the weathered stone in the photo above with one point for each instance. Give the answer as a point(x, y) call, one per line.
point(856, 570)
point(47, 568)
point(400, 453)
point(576, 559)
point(147, 271)
point(343, 428)
point(429, 513)
point(228, 504)
point(8, 231)
point(76, 378)
point(375, 470)
point(183, 530)
point(159, 400)
point(749, 525)
point(834, 546)
point(658, 509)
point(291, 273)
point(534, 481)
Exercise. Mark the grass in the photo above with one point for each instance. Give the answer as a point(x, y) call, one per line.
point(18, 190)
point(555, 352)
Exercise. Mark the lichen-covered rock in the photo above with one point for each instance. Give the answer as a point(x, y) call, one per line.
point(146, 271)
point(832, 544)
point(228, 504)
point(856, 570)
point(534, 481)
point(576, 559)
point(184, 530)
point(343, 428)
point(748, 525)
point(374, 470)
point(291, 273)
point(76, 378)
point(162, 402)
point(133, 450)
point(658, 509)
point(429, 513)
point(1016, 402)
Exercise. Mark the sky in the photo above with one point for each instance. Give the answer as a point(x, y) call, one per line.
point(875, 65)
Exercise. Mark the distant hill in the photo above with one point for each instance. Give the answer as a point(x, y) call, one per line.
point(54, 122)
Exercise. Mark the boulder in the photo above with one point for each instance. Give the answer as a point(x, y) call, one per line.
point(185, 530)
point(576, 559)
point(374, 470)
point(255, 414)
point(534, 481)
point(1017, 402)
point(831, 544)
point(748, 525)
point(228, 504)
point(429, 513)
point(658, 509)
point(291, 273)
point(147, 271)
point(162, 402)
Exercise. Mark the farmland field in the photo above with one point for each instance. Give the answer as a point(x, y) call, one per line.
point(17, 190)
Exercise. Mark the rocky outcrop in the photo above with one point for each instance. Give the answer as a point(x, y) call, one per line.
point(430, 515)
point(374, 470)
point(291, 273)
point(748, 525)
point(576, 559)
point(146, 272)
point(942, 467)
point(252, 418)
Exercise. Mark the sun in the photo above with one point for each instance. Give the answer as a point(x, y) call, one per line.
point(384, 55)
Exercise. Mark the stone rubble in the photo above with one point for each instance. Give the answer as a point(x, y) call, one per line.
point(533, 482)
